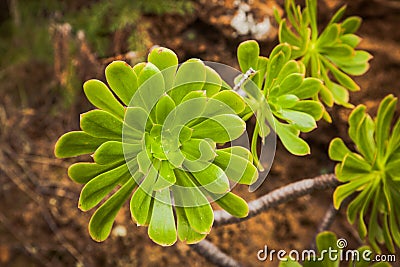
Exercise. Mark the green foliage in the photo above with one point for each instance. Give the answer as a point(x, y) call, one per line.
point(103, 18)
point(33, 26)
point(280, 83)
point(372, 172)
point(327, 241)
point(161, 138)
point(331, 55)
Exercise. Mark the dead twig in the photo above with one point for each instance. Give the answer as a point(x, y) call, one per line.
point(10, 170)
point(29, 248)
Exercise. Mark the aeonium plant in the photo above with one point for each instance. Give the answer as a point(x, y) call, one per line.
point(329, 55)
point(280, 95)
point(372, 173)
point(158, 140)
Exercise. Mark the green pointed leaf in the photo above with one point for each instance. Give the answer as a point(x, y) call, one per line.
point(162, 223)
point(212, 178)
point(383, 121)
point(338, 52)
point(188, 112)
point(101, 124)
point(291, 83)
point(234, 205)
point(261, 70)
point(213, 82)
point(163, 108)
point(191, 76)
point(359, 203)
point(185, 233)
point(287, 36)
point(136, 119)
point(231, 99)
point(197, 208)
point(355, 65)
point(151, 88)
point(185, 133)
point(351, 40)
point(193, 95)
point(76, 143)
point(83, 172)
point(122, 80)
point(291, 67)
point(101, 97)
point(102, 220)
point(343, 191)
point(284, 49)
point(351, 24)
point(343, 79)
point(340, 94)
point(354, 120)
point(393, 167)
point(163, 58)
point(338, 15)
point(329, 36)
point(311, 107)
point(138, 68)
point(316, 65)
point(198, 149)
point(147, 72)
point(287, 101)
point(365, 138)
point(237, 168)
point(166, 176)
point(327, 97)
point(144, 161)
point(142, 200)
point(291, 141)
point(220, 128)
point(353, 166)
point(338, 150)
point(310, 87)
point(113, 151)
point(100, 186)
point(394, 140)
point(238, 151)
point(247, 54)
point(166, 61)
point(302, 121)
point(274, 67)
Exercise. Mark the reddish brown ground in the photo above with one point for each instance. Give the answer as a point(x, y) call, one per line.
point(40, 223)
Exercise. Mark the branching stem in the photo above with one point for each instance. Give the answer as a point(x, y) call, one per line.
point(279, 196)
point(213, 254)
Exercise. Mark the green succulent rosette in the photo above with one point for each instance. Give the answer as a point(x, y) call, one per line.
point(371, 173)
point(280, 95)
point(330, 55)
point(156, 138)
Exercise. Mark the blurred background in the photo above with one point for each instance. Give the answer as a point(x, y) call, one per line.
point(48, 48)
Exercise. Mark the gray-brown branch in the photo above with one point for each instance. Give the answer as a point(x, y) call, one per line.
point(279, 196)
point(326, 223)
point(213, 254)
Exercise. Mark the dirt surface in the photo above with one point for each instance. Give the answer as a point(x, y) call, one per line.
point(40, 224)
